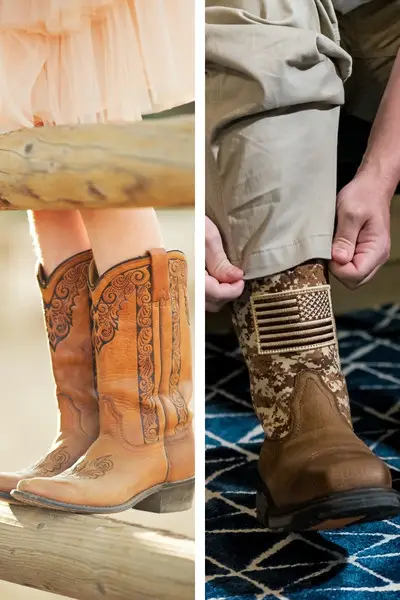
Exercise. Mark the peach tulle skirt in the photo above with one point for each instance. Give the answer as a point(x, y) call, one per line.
point(72, 61)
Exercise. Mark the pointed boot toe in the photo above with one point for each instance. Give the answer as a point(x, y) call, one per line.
point(8, 482)
point(45, 492)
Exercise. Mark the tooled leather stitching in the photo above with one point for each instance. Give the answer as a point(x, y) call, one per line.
point(94, 469)
point(181, 269)
point(58, 460)
point(54, 463)
point(119, 421)
point(59, 311)
point(105, 314)
point(146, 375)
point(105, 318)
point(177, 275)
point(187, 312)
point(177, 270)
point(75, 411)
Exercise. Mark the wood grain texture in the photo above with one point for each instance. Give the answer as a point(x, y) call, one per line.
point(149, 163)
point(92, 557)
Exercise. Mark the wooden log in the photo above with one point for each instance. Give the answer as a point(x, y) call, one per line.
point(149, 163)
point(93, 557)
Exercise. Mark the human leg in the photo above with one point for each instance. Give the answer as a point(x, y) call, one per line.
point(57, 235)
point(272, 132)
point(144, 456)
point(371, 34)
point(120, 235)
point(64, 255)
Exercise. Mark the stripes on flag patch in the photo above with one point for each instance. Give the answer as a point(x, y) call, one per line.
point(293, 321)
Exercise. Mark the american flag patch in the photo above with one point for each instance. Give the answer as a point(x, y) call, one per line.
point(293, 321)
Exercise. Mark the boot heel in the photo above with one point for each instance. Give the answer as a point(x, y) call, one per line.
point(174, 497)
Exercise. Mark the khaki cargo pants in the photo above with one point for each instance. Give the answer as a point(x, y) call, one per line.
point(371, 34)
point(274, 87)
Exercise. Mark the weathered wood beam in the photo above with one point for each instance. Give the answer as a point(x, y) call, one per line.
point(92, 557)
point(149, 163)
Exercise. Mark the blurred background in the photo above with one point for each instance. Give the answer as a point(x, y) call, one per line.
point(28, 409)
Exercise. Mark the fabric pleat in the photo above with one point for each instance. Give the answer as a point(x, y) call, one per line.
point(82, 61)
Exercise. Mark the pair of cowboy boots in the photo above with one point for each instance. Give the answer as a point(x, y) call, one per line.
point(121, 356)
point(314, 472)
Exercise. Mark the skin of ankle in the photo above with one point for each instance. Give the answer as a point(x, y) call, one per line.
point(119, 235)
point(57, 235)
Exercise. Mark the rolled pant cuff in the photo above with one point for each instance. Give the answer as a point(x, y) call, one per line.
point(269, 261)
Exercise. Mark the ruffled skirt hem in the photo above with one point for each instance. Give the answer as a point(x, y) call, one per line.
point(82, 61)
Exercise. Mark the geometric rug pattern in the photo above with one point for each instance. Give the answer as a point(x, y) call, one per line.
point(245, 561)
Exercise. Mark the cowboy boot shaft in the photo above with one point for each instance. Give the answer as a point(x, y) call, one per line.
point(180, 381)
point(141, 337)
point(126, 339)
point(65, 298)
point(179, 436)
point(285, 326)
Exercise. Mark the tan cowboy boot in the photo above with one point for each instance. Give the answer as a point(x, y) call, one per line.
point(144, 456)
point(315, 473)
point(65, 297)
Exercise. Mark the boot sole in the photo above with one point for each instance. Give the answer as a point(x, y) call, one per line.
point(332, 512)
point(162, 498)
point(5, 497)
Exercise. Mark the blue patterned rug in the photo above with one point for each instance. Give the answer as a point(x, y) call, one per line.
point(245, 561)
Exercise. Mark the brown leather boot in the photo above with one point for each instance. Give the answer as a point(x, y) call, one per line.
point(315, 473)
point(144, 456)
point(65, 297)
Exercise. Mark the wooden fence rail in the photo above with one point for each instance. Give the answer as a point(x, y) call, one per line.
point(92, 557)
point(149, 163)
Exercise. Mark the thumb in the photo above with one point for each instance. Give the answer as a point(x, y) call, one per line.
point(345, 239)
point(219, 267)
point(218, 264)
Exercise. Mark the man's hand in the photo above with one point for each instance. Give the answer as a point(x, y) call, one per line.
point(361, 243)
point(224, 281)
